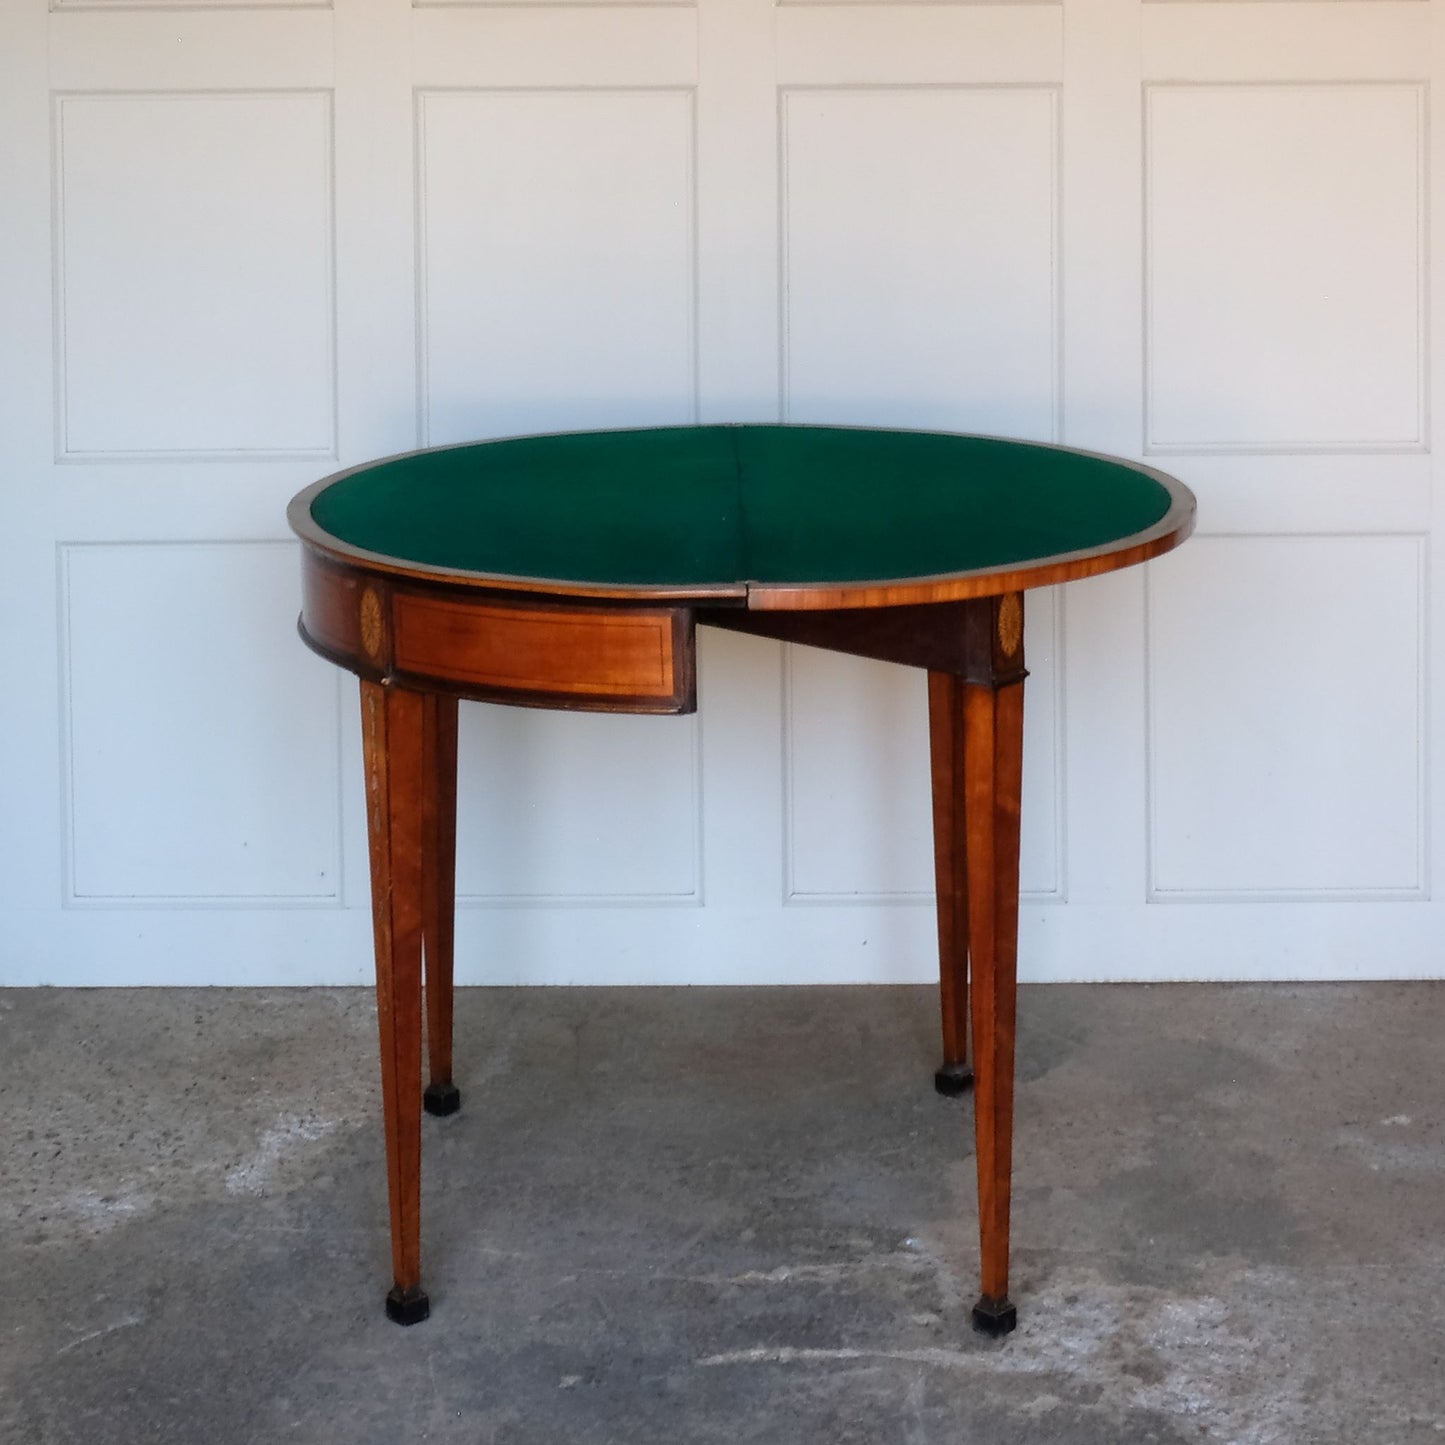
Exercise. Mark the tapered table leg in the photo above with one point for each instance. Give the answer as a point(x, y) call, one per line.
point(993, 716)
point(393, 730)
point(441, 1096)
point(945, 736)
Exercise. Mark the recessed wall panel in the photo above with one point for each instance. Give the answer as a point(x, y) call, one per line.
point(919, 258)
point(1286, 744)
point(201, 737)
point(556, 237)
point(559, 807)
point(194, 272)
point(859, 803)
point(1285, 274)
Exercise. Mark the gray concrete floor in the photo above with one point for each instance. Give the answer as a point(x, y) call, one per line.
point(725, 1216)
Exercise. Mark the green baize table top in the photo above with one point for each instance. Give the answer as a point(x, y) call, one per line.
point(708, 506)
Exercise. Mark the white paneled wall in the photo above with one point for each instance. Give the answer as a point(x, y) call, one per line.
point(244, 244)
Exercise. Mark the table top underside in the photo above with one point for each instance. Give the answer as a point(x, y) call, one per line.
point(713, 506)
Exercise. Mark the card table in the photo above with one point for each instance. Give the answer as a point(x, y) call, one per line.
point(572, 571)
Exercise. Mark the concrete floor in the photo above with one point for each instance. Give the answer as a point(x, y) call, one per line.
point(725, 1216)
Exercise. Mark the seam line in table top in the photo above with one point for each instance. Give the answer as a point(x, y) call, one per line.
point(740, 511)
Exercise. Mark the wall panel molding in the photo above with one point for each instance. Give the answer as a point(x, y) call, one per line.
point(192, 359)
point(1287, 719)
point(539, 293)
point(972, 375)
point(235, 777)
point(1285, 236)
point(121, 7)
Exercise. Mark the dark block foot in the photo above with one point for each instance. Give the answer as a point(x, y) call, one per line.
point(994, 1317)
point(407, 1306)
point(441, 1099)
point(953, 1079)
